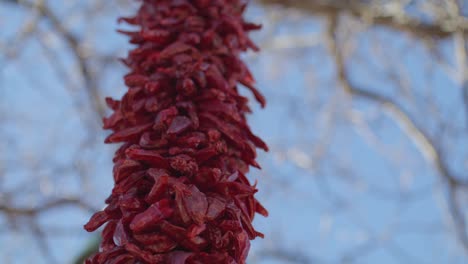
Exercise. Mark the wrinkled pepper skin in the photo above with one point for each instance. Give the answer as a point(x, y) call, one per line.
point(181, 194)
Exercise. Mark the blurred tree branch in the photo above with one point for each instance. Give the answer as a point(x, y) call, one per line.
point(74, 43)
point(377, 14)
point(421, 139)
point(15, 211)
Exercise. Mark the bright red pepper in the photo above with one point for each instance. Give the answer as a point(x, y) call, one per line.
point(181, 194)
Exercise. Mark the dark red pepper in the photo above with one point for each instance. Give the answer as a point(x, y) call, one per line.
point(181, 195)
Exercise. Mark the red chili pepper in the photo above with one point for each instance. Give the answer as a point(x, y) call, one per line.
point(180, 194)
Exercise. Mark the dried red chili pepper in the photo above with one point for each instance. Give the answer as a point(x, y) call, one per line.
point(181, 195)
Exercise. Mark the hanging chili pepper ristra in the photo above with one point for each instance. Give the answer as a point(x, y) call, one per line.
point(181, 194)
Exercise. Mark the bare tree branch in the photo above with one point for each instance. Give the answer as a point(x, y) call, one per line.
point(421, 139)
point(73, 43)
point(395, 20)
point(12, 210)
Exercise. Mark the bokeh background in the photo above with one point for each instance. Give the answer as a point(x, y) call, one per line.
point(367, 120)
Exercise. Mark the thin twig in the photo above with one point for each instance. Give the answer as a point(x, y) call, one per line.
point(11, 210)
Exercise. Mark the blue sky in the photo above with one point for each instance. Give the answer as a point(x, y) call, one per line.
point(367, 196)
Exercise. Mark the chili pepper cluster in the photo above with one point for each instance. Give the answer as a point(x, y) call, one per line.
point(181, 194)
